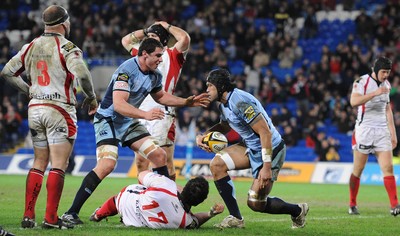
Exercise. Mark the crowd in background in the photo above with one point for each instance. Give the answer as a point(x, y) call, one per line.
point(320, 89)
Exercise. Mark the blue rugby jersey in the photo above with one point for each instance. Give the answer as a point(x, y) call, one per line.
point(128, 77)
point(239, 111)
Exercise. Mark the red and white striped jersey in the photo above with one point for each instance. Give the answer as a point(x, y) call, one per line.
point(47, 61)
point(155, 204)
point(373, 112)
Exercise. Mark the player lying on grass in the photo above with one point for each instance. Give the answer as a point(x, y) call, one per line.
point(158, 203)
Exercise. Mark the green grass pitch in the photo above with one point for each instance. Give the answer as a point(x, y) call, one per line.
point(327, 215)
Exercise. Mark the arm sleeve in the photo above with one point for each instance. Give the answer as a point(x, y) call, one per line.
point(193, 221)
point(245, 109)
point(12, 70)
point(77, 66)
point(358, 87)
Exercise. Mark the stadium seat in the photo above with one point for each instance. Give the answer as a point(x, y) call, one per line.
point(209, 44)
point(189, 12)
point(300, 153)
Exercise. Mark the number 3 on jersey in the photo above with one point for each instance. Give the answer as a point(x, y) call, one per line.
point(161, 216)
point(44, 78)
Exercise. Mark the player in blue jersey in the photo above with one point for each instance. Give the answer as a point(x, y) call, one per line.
point(117, 119)
point(262, 150)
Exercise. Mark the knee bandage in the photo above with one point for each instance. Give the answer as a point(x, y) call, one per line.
point(147, 147)
point(253, 196)
point(227, 159)
point(107, 152)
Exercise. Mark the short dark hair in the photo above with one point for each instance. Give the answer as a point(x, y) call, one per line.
point(195, 191)
point(54, 15)
point(149, 45)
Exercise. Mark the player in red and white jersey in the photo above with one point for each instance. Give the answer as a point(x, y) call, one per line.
point(370, 113)
point(53, 66)
point(374, 131)
point(157, 203)
point(170, 67)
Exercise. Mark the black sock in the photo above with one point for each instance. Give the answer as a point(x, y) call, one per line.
point(227, 191)
point(89, 184)
point(278, 206)
point(163, 170)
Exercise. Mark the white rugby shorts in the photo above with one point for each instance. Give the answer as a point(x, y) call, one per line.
point(368, 140)
point(162, 131)
point(51, 123)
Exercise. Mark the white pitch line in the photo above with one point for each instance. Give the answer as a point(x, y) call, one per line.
point(326, 218)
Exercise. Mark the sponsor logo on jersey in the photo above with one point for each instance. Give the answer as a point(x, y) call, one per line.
point(365, 147)
point(68, 46)
point(123, 77)
point(53, 96)
point(102, 133)
point(61, 129)
point(121, 85)
point(175, 207)
point(249, 113)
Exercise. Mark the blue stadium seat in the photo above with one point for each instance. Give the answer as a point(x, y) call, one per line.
point(301, 143)
point(209, 44)
point(269, 24)
point(189, 11)
point(300, 153)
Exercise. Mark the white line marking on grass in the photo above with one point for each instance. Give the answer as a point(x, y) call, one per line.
point(325, 218)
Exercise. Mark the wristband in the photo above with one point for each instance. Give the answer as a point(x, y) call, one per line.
point(266, 155)
point(211, 212)
point(134, 39)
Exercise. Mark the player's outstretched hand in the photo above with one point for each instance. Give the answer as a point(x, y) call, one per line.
point(199, 100)
point(218, 208)
point(92, 105)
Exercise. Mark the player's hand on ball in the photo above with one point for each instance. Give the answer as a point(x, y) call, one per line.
point(215, 141)
point(201, 144)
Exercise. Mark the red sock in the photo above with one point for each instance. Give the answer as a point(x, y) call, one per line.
point(390, 185)
point(55, 185)
point(33, 186)
point(354, 185)
point(107, 209)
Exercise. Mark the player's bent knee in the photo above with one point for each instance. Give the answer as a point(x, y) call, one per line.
point(256, 202)
point(148, 147)
point(142, 164)
point(222, 162)
point(158, 157)
point(107, 169)
point(107, 156)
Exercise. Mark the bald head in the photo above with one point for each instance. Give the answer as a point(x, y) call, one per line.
point(54, 15)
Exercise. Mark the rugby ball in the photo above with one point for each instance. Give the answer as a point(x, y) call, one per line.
point(216, 141)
